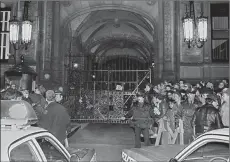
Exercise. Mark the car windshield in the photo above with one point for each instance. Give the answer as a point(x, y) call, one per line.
point(52, 153)
point(193, 143)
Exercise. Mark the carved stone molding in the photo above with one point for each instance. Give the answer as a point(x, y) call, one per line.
point(168, 33)
point(139, 40)
point(49, 22)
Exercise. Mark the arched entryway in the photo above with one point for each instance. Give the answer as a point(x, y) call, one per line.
point(112, 52)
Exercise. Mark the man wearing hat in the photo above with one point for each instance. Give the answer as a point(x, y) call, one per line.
point(204, 93)
point(55, 117)
point(207, 117)
point(225, 108)
point(189, 107)
point(58, 96)
point(141, 119)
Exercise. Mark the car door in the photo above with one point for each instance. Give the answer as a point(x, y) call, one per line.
point(23, 150)
point(209, 149)
point(51, 149)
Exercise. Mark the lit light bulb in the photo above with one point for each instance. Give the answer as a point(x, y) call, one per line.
point(26, 31)
point(75, 65)
point(47, 76)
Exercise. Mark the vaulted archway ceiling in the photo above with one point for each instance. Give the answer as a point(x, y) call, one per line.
point(115, 32)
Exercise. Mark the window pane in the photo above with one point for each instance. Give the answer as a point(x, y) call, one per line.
point(221, 34)
point(1, 16)
point(221, 9)
point(220, 23)
point(220, 50)
point(4, 52)
point(51, 152)
point(4, 39)
point(216, 149)
point(212, 149)
point(23, 153)
point(5, 26)
point(0, 26)
point(6, 16)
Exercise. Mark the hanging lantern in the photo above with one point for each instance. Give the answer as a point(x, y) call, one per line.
point(188, 28)
point(14, 31)
point(202, 28)
point(21, 31)
point(26, 31)
point(189, 25)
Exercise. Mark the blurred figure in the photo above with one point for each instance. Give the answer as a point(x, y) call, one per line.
point(19, 95)
point(181, 84)
point(224, 111)
point(168, 88)
point(176, 86)
point(220, 87)
point(38, 101)
point(55, 117)
point(187, 87)
point(9, 94)
point(7, 86)
point(203, 95)
point(207, 117)
point(198, 86)
point(226, 82)
point(177, 109)
point(58, 96)
point(169, 95)
point(183, 95)
point(13, 86)
point(25, 97)
point(140, 119)
point(189, 108)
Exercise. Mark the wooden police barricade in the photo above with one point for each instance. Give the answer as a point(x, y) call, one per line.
point(179, 130)
point(165, 134)
point(66, 141)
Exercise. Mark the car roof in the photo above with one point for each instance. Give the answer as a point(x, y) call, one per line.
point(8, 135)
point(224, 131)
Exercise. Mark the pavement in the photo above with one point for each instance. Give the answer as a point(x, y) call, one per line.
point(107, 139)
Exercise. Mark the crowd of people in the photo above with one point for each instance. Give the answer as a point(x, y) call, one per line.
point(201, 107)
point(51, 114)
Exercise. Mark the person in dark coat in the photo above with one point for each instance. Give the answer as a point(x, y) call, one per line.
point(38, 102)
point(141, 119)
point(207, 117)
point(26, 96)
point(55, 118)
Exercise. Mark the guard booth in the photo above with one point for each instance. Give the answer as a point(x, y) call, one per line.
point(21, 75)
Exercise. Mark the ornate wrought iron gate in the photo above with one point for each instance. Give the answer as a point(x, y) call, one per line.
point(101, 89)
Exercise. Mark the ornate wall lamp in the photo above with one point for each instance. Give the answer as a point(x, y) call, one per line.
point(195, 33)
point(24, 27)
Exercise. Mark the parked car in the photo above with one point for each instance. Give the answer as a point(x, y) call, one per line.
point(211, 146)
point(22, 142)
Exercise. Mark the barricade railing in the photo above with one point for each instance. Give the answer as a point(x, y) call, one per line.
point(167, 136)
point(109, 121)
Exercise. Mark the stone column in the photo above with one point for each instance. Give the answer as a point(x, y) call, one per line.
point(169, 58)
point(177, 28)
point(55, 64)
point(45, 26)
point(159, 60)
